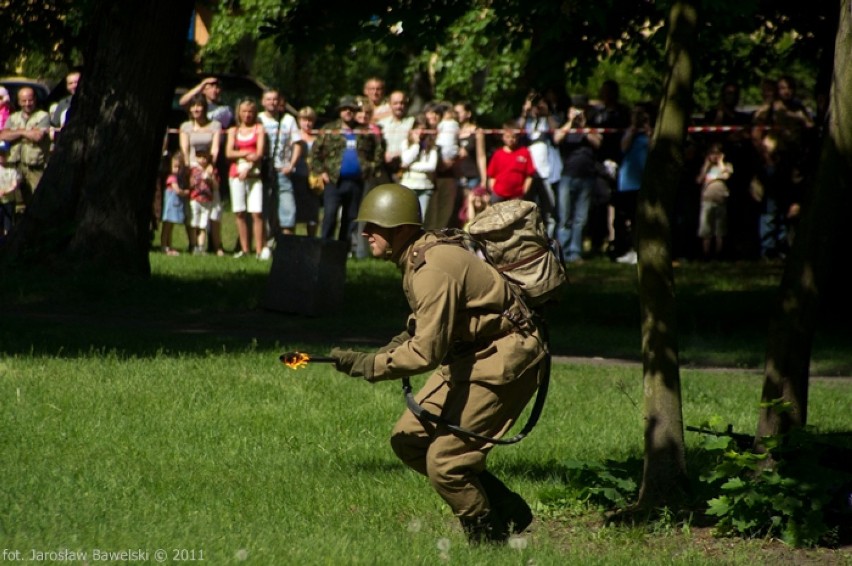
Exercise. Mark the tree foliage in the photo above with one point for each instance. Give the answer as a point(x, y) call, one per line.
point(40, 37)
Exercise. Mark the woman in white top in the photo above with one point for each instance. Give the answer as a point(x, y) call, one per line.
point(419, 160)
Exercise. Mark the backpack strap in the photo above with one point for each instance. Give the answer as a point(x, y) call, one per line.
point(446, 236)
point(538, 405)
point(522, 262)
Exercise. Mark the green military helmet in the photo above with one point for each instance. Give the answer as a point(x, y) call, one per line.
point(390, 205)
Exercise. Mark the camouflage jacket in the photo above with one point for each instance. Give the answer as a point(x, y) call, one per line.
point(327, 152)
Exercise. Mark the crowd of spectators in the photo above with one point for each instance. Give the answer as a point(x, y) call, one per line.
point(580, 160)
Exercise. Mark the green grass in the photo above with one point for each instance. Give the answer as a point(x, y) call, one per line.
point(230, 452)
point(155, 415)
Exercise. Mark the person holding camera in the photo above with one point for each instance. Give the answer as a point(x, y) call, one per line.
point(635, 144)
point(577, 182)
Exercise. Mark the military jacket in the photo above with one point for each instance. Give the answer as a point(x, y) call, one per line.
point(458, 322)
point(327, 152)
point(26, 151)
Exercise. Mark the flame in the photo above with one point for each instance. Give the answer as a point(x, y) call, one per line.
point(295, 360)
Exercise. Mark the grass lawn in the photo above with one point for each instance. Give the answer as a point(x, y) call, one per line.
point(156, 416)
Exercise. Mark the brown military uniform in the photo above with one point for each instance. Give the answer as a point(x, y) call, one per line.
point(486, 368)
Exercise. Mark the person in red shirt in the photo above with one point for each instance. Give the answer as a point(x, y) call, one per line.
point(511, 169)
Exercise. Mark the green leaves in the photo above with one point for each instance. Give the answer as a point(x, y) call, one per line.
point(605, 484)
point(790, 499)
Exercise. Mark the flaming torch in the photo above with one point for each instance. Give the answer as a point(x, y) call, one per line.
point(298, 360)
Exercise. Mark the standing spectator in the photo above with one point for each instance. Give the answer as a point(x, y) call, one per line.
point(374, 91)
point(283, 153)
point(395, 130)
point(446, 198)
point(635, 143)
point(59, 112)
point(737, 148)
point(5, 106)
point(364, 117)
point(510, 170)
point(611, 113)
point(217, 110)
point(783, 125)
point(202, 185)
point(713, 220)
point(201, 134)
point(344, 160)
point(28, 133)
point(538, 122)
point(472, 160)
point(245, 147)
point(9, 181)
point(419, 162)
point(307, 201)
point(174, 203)
point(772, 188)
point(579, 173)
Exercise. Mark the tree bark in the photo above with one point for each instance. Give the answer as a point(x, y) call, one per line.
point(92, 208)
point(814, 255)
point(664, 476)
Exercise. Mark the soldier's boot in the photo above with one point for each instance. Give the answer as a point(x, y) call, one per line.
point(484, 529)
point(511, 509)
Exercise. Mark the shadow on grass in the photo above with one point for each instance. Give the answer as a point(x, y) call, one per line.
point(613, 485)
point(210, 311)
point(215, 304)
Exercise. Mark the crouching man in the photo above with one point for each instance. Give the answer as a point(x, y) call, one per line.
point(487, 358)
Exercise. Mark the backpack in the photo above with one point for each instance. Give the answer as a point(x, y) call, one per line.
point(514, 239)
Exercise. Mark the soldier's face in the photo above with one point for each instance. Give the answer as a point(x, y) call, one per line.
point(379, 239)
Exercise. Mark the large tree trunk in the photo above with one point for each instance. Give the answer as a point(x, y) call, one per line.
point(92, 209)
point(814, 255)
point(664, 476)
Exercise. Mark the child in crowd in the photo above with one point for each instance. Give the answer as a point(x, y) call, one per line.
point(712, 222)
point(174, 202)
point(203, 184)
point(511, 169)
point(10, 178)
point(447, 139)
point(476, 201)
point(419, 161)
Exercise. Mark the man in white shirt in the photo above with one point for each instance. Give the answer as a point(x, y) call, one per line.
point(283, 153)
point(374, 90)
point(395, 130)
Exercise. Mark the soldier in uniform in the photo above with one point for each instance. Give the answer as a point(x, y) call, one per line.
point(467, 328)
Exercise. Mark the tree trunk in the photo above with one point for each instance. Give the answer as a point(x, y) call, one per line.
point(814, 255)
point(92, 209)
point(664, 477)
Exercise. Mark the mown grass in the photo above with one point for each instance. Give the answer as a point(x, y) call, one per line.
point(236, 455)
point(155, 415)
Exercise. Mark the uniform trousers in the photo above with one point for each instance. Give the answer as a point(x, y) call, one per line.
point(452, 463)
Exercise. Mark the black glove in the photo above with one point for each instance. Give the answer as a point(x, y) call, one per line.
point(356, 364)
